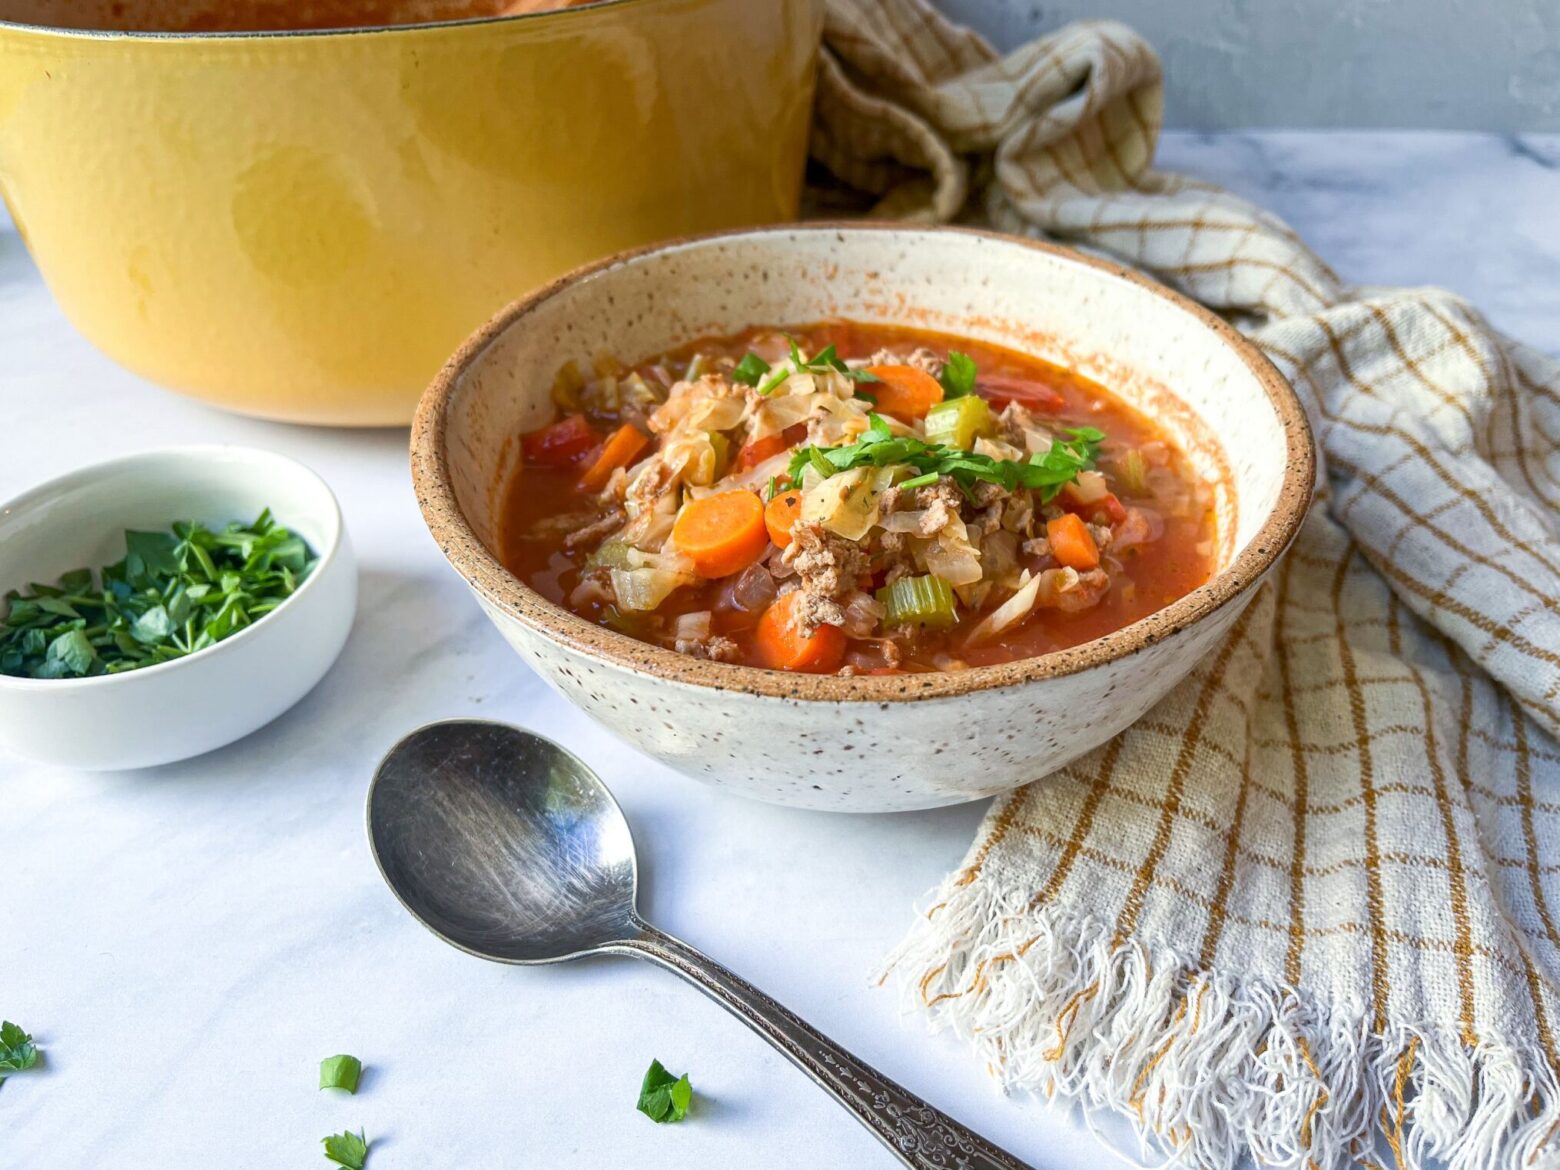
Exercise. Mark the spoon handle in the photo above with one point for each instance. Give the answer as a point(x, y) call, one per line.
point(922, 1136)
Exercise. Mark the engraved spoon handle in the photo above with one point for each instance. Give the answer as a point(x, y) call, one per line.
point(922, 1136)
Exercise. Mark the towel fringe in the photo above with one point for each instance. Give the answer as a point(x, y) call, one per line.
point(1210, 1069)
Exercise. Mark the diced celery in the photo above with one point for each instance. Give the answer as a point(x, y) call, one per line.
point(613, 554)
point(1132, 471)
point(623, 622)
point(608, 366)
point(924, 601)
point(567, 384)
point(958, 422)
point(634, 390)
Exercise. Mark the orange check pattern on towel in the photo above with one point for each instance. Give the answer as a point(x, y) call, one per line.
point(1308, 909)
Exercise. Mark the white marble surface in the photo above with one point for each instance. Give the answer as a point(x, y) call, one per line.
point(187, 942)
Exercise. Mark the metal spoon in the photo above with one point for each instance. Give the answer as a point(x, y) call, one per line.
point(508, 847)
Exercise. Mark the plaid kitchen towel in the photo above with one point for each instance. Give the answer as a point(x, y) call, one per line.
point(1310, 905)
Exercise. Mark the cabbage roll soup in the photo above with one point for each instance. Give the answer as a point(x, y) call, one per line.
point(854, 499)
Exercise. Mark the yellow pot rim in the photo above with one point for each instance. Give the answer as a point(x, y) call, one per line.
point(559, 15)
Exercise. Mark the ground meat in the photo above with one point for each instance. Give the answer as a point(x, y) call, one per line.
point(827, 570)
point(591, 533)
point(717, 648)
point(936, 518)
point(1039, 546)
point(1015, 425)
point(944, 489)
point(1086, 593)
point(828, 565)
point(815, 611)
point(1101, 534)
point(896, 499)
point(921, 358)
point(1018, 512)
point(987, 493)
point(941, 501)
point(989, 520)
point(895, 559)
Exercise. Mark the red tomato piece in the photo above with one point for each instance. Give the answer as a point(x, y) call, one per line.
point(559, 444)
point(1106, 510)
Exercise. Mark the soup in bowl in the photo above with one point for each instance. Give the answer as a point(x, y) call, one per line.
point(861, 517)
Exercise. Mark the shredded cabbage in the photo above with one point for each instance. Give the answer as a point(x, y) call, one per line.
point(1012, 611)
point(644, 589)
point(847, 503)
point(951, 556)
point(653, 579)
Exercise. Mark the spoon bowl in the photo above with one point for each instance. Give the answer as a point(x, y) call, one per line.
point(502, 843)
point(508, 847)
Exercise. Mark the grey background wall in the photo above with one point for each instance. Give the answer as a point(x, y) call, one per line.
point(1446, 64)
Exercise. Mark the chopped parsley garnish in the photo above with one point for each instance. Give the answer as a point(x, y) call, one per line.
point(750, 370)
point(174, 593)
point(824, 362)
point(346, 1149)
point(958, 376)
point(340, 1072)
point(1046, 473)
point(18, 1053)
point(664, 1098)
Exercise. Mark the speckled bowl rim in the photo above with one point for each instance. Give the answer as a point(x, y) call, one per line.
point(436, 497)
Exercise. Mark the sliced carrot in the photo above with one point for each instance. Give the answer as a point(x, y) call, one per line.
point(722, 534)
point(902, 391)
point(780, 514)
point(559, 444)
point(782, 645)
point(1071, 542)
point(618, 451)
point(754, 453)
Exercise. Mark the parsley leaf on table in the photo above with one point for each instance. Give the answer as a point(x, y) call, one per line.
point(346, 1149)
point(17, 1050)
point(664, 1098)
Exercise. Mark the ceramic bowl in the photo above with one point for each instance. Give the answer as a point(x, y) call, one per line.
point(869, 743)
point(189, 705)
point(303, 225)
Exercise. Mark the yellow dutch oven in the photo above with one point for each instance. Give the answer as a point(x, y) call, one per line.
point(303, 225)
